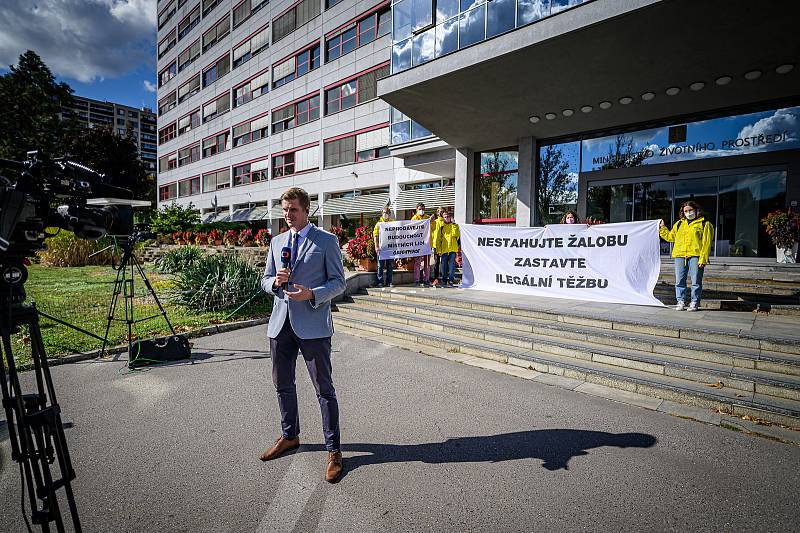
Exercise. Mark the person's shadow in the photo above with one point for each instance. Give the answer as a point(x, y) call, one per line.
point(555, 447)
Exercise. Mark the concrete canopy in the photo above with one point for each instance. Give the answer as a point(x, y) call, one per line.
point(482, 97)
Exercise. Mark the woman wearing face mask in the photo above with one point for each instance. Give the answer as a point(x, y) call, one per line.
point(387, 265)
point(570, 217)
point(422, 265)
point(693, 236)
point(449, 241)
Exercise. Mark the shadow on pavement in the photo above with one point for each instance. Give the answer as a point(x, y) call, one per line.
point(555, 447)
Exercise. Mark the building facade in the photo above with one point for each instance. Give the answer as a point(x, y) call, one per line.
point(622, 110)
point(258, 96)
point(140, 124)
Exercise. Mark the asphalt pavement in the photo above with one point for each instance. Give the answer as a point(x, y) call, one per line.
point(429, 445)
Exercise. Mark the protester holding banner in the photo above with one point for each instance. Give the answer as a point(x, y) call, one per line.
point(422, 264)
point(385, 266)
point(692, 236)
point(448, 242)
point(570, 217)
point(436, 223)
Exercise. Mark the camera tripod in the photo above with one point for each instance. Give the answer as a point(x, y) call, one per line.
point(34, 422)
point(124, 286)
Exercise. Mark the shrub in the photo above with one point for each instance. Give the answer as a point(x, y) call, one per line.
point(245, 237)
point(783, 227)
point(174, 217)
point(178, 259)
point(200, 238)
point(263, 237)
point(218, 282)
point(341, 234)
point(177, 236)
point(188, 236)
point(64, 249)
point(214, 236)
point(363, 246)
point(231, 237)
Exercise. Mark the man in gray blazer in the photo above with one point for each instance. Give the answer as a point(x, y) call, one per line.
point(301, 320)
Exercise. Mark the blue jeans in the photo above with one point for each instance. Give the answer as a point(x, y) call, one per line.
point(449, 267)
point(682, 268)
point(387, 264)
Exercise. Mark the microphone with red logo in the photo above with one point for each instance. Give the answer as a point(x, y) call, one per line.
point(286, 257)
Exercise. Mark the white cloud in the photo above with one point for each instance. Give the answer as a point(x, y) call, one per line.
point(149, 86)
point(782, 120)
point(83, 40)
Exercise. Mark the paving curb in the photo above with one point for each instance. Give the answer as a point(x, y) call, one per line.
point(202, 332)
point(706, 416)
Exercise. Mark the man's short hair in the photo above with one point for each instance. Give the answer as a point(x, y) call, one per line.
point(420, 205)
point(296, 193)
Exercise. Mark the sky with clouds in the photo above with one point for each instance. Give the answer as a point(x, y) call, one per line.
point(104, 49)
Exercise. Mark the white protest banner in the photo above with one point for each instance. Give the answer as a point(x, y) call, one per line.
point(617, 263)
point(404, 238)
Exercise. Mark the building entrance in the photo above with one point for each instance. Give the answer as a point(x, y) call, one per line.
point(734, 201)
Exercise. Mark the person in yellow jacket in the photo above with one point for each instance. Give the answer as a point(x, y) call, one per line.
point(436, 223)
point(385, 266)
point(448, 244)
point(422, 264)
point(692, 236)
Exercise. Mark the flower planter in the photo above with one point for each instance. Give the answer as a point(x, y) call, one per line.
point(786, 255)
point(367, 265)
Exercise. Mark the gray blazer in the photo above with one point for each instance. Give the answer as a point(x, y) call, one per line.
point(319, 267)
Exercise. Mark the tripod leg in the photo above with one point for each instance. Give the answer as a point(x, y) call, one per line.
point(112, 308)
point(152, 291)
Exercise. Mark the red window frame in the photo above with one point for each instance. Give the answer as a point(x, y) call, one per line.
point(193, 124)
point(167, 133)
point(165, 39)
point(250, 89)
point(249, 135)
point(215, 67)
point(481, 175)
point(191, 26)
point(373, 13)
point(165, 188)
point(283, 166)
point(309, 48)
point(173, 68)
point(192, 154)
point(339, 84)
point(162, 103)
point(226, 133)
point(249, 174)
point(191, 60)
point(192, 190)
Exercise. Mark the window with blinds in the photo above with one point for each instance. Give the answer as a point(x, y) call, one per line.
point(251, 172)
point(168, 102)
point(189, 55)
point(372, 144)
point(189, 187)
point(251, 131)
point(208, 6)
point(216, 107)
point(169, 41)
point(216, 144)
point(216, 180)
point(166, 14)
point(167, 133)
point(167, 74)
point(187, 155)
point(168, 162)
point(283, 119)
point(189, 22)
point(283, 70)
point(297, 16)
point(215, 34)
point(189, 88)
point(252, 89)
point(167, 192)
point(340, 152)
point(251, 47)
point(306, 159)
point(216, 71)
point(189, 122)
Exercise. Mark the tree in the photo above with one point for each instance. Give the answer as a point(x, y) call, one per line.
point(30, 104)
point(553, 181)
point(498, 193)
point(622, 154)
point(174, 217)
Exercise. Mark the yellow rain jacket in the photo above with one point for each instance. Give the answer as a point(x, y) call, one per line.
point(692, 239)
point(448, 238)
point(375, 231)
point(436, 224)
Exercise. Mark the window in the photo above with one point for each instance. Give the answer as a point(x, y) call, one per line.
point(330, 3)
point(167, 192)
point(189, 122)
point(355, 91)
point(296, 114)
point(167, 74)
point(189, 187)
point(216, 71)
point(166, 134)
point(495, 187)
point(189, 55)
point(295, 17)
point(208, 6)
point(250, 90)
point(120, 122)
point(190, 154)
point(251, 131)
point(189, 21)
point(167, 43)
point(251, 172)
point(216, 144)
point(166, 14)
point(359, 33)
point(217, 32)
point(250, 47)
point(168, 162)
point(219, 179)
point(246, 8)
point(216, 107)
point(356, 148)
point(188, 89)
point(296, 161)
point(295, 66)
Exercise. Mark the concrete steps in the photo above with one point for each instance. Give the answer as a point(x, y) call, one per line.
point(735, 373)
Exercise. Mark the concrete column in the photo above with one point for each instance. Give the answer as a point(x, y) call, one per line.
point(527, 189)
point(465, 183)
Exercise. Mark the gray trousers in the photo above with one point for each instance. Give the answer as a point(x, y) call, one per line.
point(317, 355)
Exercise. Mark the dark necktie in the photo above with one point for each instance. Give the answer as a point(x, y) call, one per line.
point(295, 236)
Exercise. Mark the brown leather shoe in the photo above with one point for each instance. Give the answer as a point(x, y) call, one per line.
point(280, 447)
point(334, 469)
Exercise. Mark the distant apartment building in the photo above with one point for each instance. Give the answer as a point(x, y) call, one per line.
point(257, 96)
point(141, 124)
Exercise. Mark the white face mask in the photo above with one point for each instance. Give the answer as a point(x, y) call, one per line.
point(690, 215)
point(387, 215)
point(420, 211)
point(570, 220)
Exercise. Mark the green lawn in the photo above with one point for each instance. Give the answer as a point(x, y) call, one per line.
point(81, 296)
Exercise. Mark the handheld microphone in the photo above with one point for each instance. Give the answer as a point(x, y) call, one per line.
point(286, 257)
